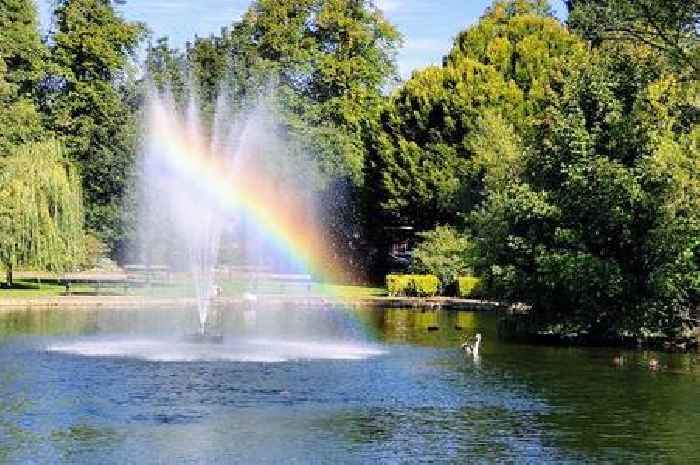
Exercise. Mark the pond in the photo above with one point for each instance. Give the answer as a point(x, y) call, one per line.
point(328, 386)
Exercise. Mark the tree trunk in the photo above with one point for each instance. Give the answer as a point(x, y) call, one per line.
point(9, 277)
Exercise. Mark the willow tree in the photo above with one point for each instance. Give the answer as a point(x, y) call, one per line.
point(41, 210)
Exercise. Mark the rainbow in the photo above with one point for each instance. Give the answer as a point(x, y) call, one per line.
point(287, 222)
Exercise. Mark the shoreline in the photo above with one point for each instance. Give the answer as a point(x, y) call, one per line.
point(422, 304)
point(145, 303)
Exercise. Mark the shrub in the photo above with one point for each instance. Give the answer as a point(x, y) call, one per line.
point(468, 286)
point(425, 285)
point(412, 285)
point(398, 284)
point(443, 252)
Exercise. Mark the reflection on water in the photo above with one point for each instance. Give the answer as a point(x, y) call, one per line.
point(362, 386)
point(432, 328)
point(237, 350)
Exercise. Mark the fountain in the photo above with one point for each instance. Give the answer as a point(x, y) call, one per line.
point(176, 211)
point(222, 180)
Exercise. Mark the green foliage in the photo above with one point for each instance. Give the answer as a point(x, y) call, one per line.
point(412, 285)
point(41, 215)
point(328, 50)
point(20, 45)
point(95, 252)
point(20, 123)
point(166, 68)
point(573, 165)
point(88, 105)
point(418, 166)
point(669, 26)
point(584, 236)
point(497, 153)
point(577, 168)
point(468, 286)
point(526, 45)
point(432, 147)
point(443, 252)
point(425, 286)
point(398, 284)
point(327, 61)
point(91, 41)
point(22, 62)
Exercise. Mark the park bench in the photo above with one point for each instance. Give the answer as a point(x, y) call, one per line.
point(148, 275)
point(284, 282)
point(98, 281)
point(134, 276)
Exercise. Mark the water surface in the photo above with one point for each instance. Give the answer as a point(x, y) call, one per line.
point(293, 385)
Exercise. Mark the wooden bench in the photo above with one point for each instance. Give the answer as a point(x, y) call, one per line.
point(99, 281)
point(147, 275)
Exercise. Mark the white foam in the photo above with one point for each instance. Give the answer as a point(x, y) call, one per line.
point(241, 350)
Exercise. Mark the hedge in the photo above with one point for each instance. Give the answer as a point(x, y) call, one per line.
point(397, 284)
point(468, 286)
point(412, 285)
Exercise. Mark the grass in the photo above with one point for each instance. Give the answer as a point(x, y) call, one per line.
point(351, 291)
point(234, 288)
point(50, 288)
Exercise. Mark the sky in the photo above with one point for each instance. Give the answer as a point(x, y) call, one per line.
point(428, 26)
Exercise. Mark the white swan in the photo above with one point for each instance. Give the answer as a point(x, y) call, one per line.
point(471, 346)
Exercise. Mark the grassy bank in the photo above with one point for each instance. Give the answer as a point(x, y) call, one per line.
point(31, 289)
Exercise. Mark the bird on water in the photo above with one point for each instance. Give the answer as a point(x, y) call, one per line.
point(471, 346)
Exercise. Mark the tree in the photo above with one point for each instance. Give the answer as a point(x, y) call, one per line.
point(209, 66)
point(20, 45)
point(22, 63)
point(426, 157)
point(669, 26)
point(328, 62)
point(19, 120)
point(597, 234)
point(418, 167)
point(88, 106)
point(41, 214)
point(445, 253)
point(526, 45)
point(167, 68)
